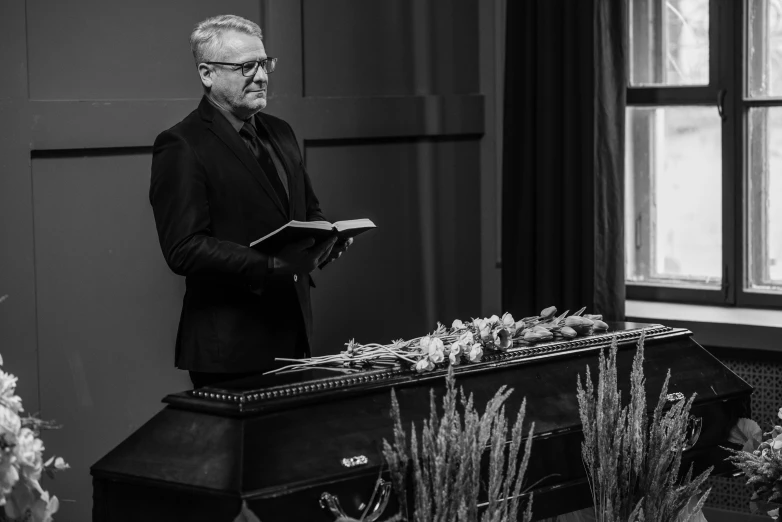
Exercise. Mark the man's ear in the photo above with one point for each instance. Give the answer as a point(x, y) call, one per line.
point(206, 72)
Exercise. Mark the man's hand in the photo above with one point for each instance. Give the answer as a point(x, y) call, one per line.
point(339, 249)
point(302, 257)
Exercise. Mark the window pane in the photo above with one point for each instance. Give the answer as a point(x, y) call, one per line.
point(764, 201)
point(673, 200)
point(765, 48)
point(669, 42)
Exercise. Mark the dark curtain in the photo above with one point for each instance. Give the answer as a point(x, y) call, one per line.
point(563, 159)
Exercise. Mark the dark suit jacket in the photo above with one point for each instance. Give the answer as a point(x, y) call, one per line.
point(211, 200)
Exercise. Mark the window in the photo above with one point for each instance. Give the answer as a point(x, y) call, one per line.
point(703, 152)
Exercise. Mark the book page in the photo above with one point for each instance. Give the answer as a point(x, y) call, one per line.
point(353, 223)
point(320, 225)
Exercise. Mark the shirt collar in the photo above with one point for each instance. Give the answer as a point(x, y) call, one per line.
point(235, 122)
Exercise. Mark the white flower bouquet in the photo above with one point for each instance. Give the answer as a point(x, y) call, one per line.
point(760, 459)
point(464, 342)
point(21, 460)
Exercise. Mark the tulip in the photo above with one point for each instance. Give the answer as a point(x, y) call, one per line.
point(568, 332)
point(457, 325)
point(502, 339)
point(548, 313)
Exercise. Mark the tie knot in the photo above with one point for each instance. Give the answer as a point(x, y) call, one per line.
point(249, 130)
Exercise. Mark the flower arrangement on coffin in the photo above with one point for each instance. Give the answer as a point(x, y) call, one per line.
point(761, 461)
point(632, 464)
point(442, 462)
point(21, 459)
point(463, 342)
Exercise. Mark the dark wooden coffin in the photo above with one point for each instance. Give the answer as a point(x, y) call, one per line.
point(280, 442)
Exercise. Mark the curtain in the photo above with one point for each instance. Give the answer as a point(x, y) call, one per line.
point(563, 157)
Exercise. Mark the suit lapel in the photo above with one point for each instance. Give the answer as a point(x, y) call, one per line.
point(228, 135)
point(274, 138)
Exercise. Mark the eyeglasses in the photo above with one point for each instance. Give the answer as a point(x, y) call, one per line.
point(251, 68)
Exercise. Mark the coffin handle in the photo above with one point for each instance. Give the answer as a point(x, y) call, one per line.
point(373, 510)
point(330, 503)
point(693, 432)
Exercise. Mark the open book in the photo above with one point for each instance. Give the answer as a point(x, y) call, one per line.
point(294, 231)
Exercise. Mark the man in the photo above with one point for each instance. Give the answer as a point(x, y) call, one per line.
point(221, 178)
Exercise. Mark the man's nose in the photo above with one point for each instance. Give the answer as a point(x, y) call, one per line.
point(260, 76)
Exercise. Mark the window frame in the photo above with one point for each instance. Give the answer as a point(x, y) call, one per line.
point(728, 38)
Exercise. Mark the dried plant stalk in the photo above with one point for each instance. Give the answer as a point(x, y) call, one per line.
point(633, 465)
point(445, 465)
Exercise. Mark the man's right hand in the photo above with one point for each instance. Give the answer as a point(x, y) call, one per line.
point(302, 257)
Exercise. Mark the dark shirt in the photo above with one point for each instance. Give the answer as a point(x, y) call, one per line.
point(237, 124)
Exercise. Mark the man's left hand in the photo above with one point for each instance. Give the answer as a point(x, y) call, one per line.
point(341, 248)
point(338, 249)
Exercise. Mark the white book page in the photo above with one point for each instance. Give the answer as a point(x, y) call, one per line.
point(320, 225)
point(353, 223)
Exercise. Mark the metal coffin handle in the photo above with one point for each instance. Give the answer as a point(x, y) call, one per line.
point(693, 432)
point(373, 510)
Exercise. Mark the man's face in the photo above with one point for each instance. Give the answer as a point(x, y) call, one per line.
point(242, 95)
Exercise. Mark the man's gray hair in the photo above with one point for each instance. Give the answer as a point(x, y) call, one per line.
point(206, 38)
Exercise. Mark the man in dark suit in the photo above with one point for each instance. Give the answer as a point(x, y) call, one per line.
point(221, 178)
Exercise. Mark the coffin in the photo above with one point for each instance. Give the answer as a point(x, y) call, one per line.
point(281, 442)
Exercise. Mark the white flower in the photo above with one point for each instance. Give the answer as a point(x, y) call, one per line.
point(8, 392)
point(476, 353)
point(29, 454)
point(436, 350)
point(9, 475)
point(424, 344)
point(455, 359)
point(493, 319)
point(9, 420)
point(507, 320)
point(746, 432)
point(457, 325)
point(424, 364)
point(478, 324)
point(502, 339)
point(436, 346)
point(779, 413)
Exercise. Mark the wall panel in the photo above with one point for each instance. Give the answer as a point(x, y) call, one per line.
point(108, 309)
point(421, 264)
point(96, 50)
point(406, 47)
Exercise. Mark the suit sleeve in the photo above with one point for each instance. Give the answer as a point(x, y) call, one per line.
point(178, 194)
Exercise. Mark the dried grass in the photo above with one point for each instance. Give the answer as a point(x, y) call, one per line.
point(444, 466)
point(633, 464)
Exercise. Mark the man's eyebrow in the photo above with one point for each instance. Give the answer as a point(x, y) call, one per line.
point(253, 59)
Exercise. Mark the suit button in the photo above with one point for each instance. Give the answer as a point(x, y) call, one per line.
point(295, 278)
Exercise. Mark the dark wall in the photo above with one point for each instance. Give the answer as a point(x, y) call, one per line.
point(394, 106)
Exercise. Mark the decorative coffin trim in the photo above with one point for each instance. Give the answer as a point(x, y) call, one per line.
point(519, 352)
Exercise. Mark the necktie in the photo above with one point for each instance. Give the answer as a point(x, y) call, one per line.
point(264, 159)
